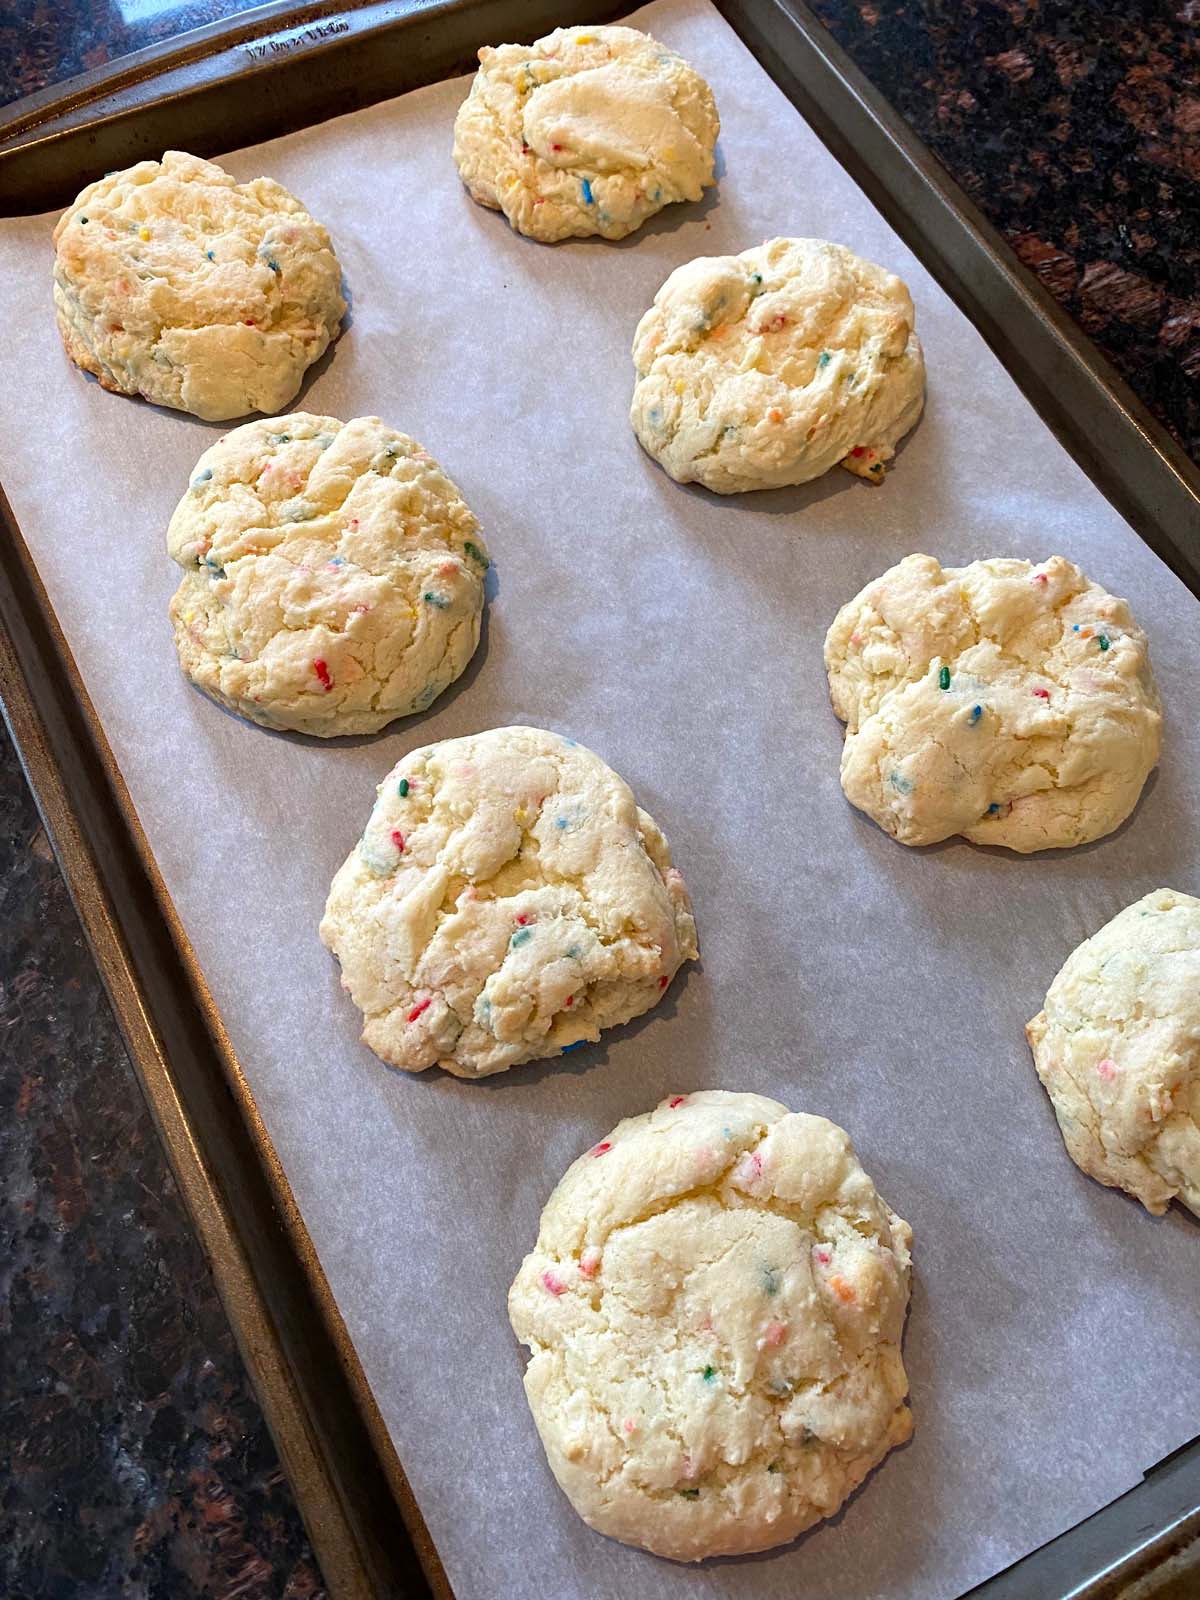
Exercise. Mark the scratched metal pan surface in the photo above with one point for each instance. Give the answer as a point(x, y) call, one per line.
point(73, 770)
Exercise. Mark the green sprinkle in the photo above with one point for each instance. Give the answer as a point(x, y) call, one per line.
point(944, 678)
point(1103, 641)
point(824, 359)
point(876, 466)
point(522, 936)
point(280, 438)
point(83, 222)
point(770, 1277)
point(438, 600)
point(404, 788)
point(690, 1494)
point(709, 1374)
point(476, 554)
point(776, 1466)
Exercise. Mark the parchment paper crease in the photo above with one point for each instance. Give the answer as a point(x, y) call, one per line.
point(1052, 1338)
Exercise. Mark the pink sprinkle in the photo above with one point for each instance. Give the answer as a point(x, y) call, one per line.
point(523, 919)
point(663, 981)
point(552, 1283)
point(823, 1254)
point(421, 1005)
point(1107, 1069)
point(589, 1262)
point(776, 1333)
point(447, 567)
point(1042, 694)
point(354, 522)
point(323, 678)
point(602, 1148)
point(628, 1425)
point(676, 1100)
point(856, 638)
point(360, 608)
point(1039, 577)
point(398, 840)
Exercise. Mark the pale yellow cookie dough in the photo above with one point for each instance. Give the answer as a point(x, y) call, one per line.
point(1009, 703)
point(333, 575)
point(587, 131)
point(714, 1308)
point(766, 369)
point(175, 282)
point(507, 900)
point(1118, 1049)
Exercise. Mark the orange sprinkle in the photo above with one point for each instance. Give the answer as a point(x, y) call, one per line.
point(774, 415)
point(841, 1288)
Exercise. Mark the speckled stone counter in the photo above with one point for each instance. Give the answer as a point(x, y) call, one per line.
point(138, 1462)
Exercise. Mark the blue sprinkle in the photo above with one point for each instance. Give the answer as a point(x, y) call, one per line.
point(655, 416)
point(770, 1277)
point(570, 742)
point(900, 783)
point(993, 809)
point(824, 359)
point(201, 477)
point(522, 936)
point(976, 713)
point(561, 822)
point(586, 186)
point(1075, 627)
point(572, 952)
point(658, 194)
point(578, 1045)
point(438, 600)
point(727, 1133)
point(210, 255)
point(214, 569)
point(336, 561)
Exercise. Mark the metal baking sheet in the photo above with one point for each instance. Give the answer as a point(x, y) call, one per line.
point(1051, 1342)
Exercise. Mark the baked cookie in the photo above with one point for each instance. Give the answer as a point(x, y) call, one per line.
point(1010, 703)
point(766, 369)
point(589, 130)
point(333, 575)
point(714, 1309)
point(507, 901)
point(1118, 1049)
point(176, 283)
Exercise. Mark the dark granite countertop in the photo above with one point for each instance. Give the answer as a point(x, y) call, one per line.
point(138, 1462)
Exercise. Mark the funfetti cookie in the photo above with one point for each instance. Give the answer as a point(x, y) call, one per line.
point(768, 368)
point(333, 575)
point(1118, 1048)
point(587, 131)
point(508, 900)
point(175, 282)
point(714, 1309)
point(1011, 703)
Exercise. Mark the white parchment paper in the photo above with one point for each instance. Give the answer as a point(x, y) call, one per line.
point(1052, 1338)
